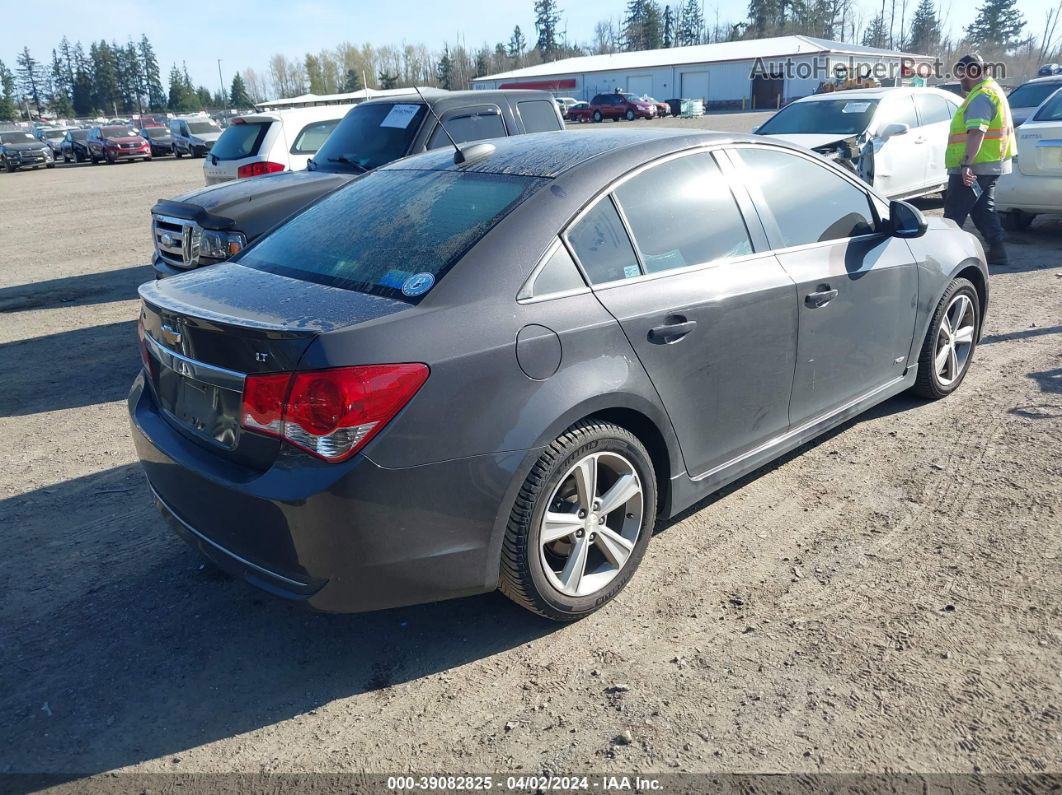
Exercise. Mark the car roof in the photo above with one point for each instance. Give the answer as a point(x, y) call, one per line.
point(550, 154)
point(1044, 79)
point(875, 93)
point(440, 99)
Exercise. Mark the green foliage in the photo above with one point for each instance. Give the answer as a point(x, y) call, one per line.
point(925, 29)
point(351, 82)
point(643, 26)
point(387, 79)
point(238, 96)
point(8, 103)
point(690, 24)
point(30, 78)
point(998, 24)
point(547, 24)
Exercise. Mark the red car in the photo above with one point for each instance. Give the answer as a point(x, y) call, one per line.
point(116, 142)
point(579, 112)
point(621, 106)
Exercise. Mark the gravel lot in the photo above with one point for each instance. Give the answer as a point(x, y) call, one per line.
point(885, 599)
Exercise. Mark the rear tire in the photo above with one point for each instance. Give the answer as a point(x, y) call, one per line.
point(597, 116)
point(630, 115)
point(1016, 220)
point(572, 574)
point(950, 342)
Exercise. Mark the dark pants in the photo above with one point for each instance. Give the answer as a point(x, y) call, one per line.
point(961, 202)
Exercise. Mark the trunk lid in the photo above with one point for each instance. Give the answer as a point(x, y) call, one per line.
point(1040, 149)
point(207, 330)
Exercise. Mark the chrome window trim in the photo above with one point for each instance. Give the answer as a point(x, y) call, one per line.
point(219, 377)
point(700, 266)
point(526, 293)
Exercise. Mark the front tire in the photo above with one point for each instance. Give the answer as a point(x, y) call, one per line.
point(950, 342)
point(581, 522)
point(629, 115)
point(597, 116)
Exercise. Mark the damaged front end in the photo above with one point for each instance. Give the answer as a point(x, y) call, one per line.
point(851, 153)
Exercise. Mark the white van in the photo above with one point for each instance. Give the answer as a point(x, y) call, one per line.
point(277, 140)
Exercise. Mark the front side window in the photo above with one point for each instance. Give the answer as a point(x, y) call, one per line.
point(602, 246)
point(682, 213)
point(809, 202)
point(469, 127)
point(312, 136)
point(378, 232)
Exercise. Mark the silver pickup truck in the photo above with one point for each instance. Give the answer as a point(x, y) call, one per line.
point(212, 224)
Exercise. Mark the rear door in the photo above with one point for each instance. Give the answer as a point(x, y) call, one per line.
point(934, 122)
point(711, 317)
point(857, 286)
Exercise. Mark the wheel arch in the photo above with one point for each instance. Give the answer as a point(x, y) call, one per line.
point(972, 271)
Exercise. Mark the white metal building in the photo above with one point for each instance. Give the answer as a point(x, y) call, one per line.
point(312, 100)
point(761, 73)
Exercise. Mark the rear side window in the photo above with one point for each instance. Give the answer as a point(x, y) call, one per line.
point(312, 136)
point(469, 127)
point(809, 202)
point(557, 275)
point(391, 229)
point(240, 140)
point(602, 246)
point(539, 115)
point(682, 213)
point(932, 108)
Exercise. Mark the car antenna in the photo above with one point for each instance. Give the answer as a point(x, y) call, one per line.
point(476, 152)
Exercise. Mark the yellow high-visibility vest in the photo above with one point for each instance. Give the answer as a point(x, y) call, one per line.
point(999, 143)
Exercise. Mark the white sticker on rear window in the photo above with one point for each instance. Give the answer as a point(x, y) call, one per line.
point(855, 107)
point(400, 116)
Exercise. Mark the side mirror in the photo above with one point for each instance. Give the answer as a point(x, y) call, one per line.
point(906, 220)
point(894, 129)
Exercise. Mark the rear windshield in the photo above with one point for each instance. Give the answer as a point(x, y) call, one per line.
point(380, 231)
point(1032, 94)
point(1050, 110)
point(200, 127)
point(370, 136)
point(240, 140)
point(840, 116)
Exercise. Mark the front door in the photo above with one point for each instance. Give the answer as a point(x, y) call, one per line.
point(857, 287)
point(899, 161)
point(712, 322)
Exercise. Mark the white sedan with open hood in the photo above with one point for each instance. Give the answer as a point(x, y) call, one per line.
point(1034, 187)
point(894, 138)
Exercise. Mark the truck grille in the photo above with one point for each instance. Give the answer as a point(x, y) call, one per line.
point(173, 240)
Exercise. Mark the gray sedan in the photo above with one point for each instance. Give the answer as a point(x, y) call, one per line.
point(451, 377)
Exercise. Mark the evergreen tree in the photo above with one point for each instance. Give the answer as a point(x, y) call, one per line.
point(877, 33)
point(315, 74)
point(105, 94)
point(925, 29)
point(30, 77)
point(152, 78)
point(690, 24)
point(59, 97)
point(8, 104)
point(351, 82)
point(643, 26)
point(517, 45)
point(669, 27)
point(444, 71)
point(998, 24)
point(547, 21)
point(482, 65)
point(387, 79)
point(203, 97)
point(81, 93)
point(238, 96)
point(182, 98)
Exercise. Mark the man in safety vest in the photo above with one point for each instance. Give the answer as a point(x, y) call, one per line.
point(980, 146)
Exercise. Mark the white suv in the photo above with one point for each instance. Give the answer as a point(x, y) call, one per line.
point(263, 143)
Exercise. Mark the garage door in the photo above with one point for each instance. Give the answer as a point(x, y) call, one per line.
point(640, 85)
point(694, 85)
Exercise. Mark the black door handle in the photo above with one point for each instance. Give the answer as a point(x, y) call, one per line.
point(674, 329)
point(820, 297)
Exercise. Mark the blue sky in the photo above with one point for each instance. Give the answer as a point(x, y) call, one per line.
point(244, 33)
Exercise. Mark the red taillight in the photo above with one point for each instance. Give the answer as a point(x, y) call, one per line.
point(258, 169)
point(330, 413)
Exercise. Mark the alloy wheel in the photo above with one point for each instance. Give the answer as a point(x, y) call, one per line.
point(592, 524)
point(955, 339)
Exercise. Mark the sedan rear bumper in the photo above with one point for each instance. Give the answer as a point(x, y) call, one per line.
point(341, 537)
point(1030, 193)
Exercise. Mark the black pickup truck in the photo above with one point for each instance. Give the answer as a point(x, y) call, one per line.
point(212, 224)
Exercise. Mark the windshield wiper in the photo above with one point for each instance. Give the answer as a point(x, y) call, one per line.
point(348, 162)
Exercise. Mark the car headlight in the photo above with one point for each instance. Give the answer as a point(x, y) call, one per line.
point(215, 244)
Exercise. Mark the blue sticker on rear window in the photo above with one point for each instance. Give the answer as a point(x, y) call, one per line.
point(630, 271)
point(418, 284)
